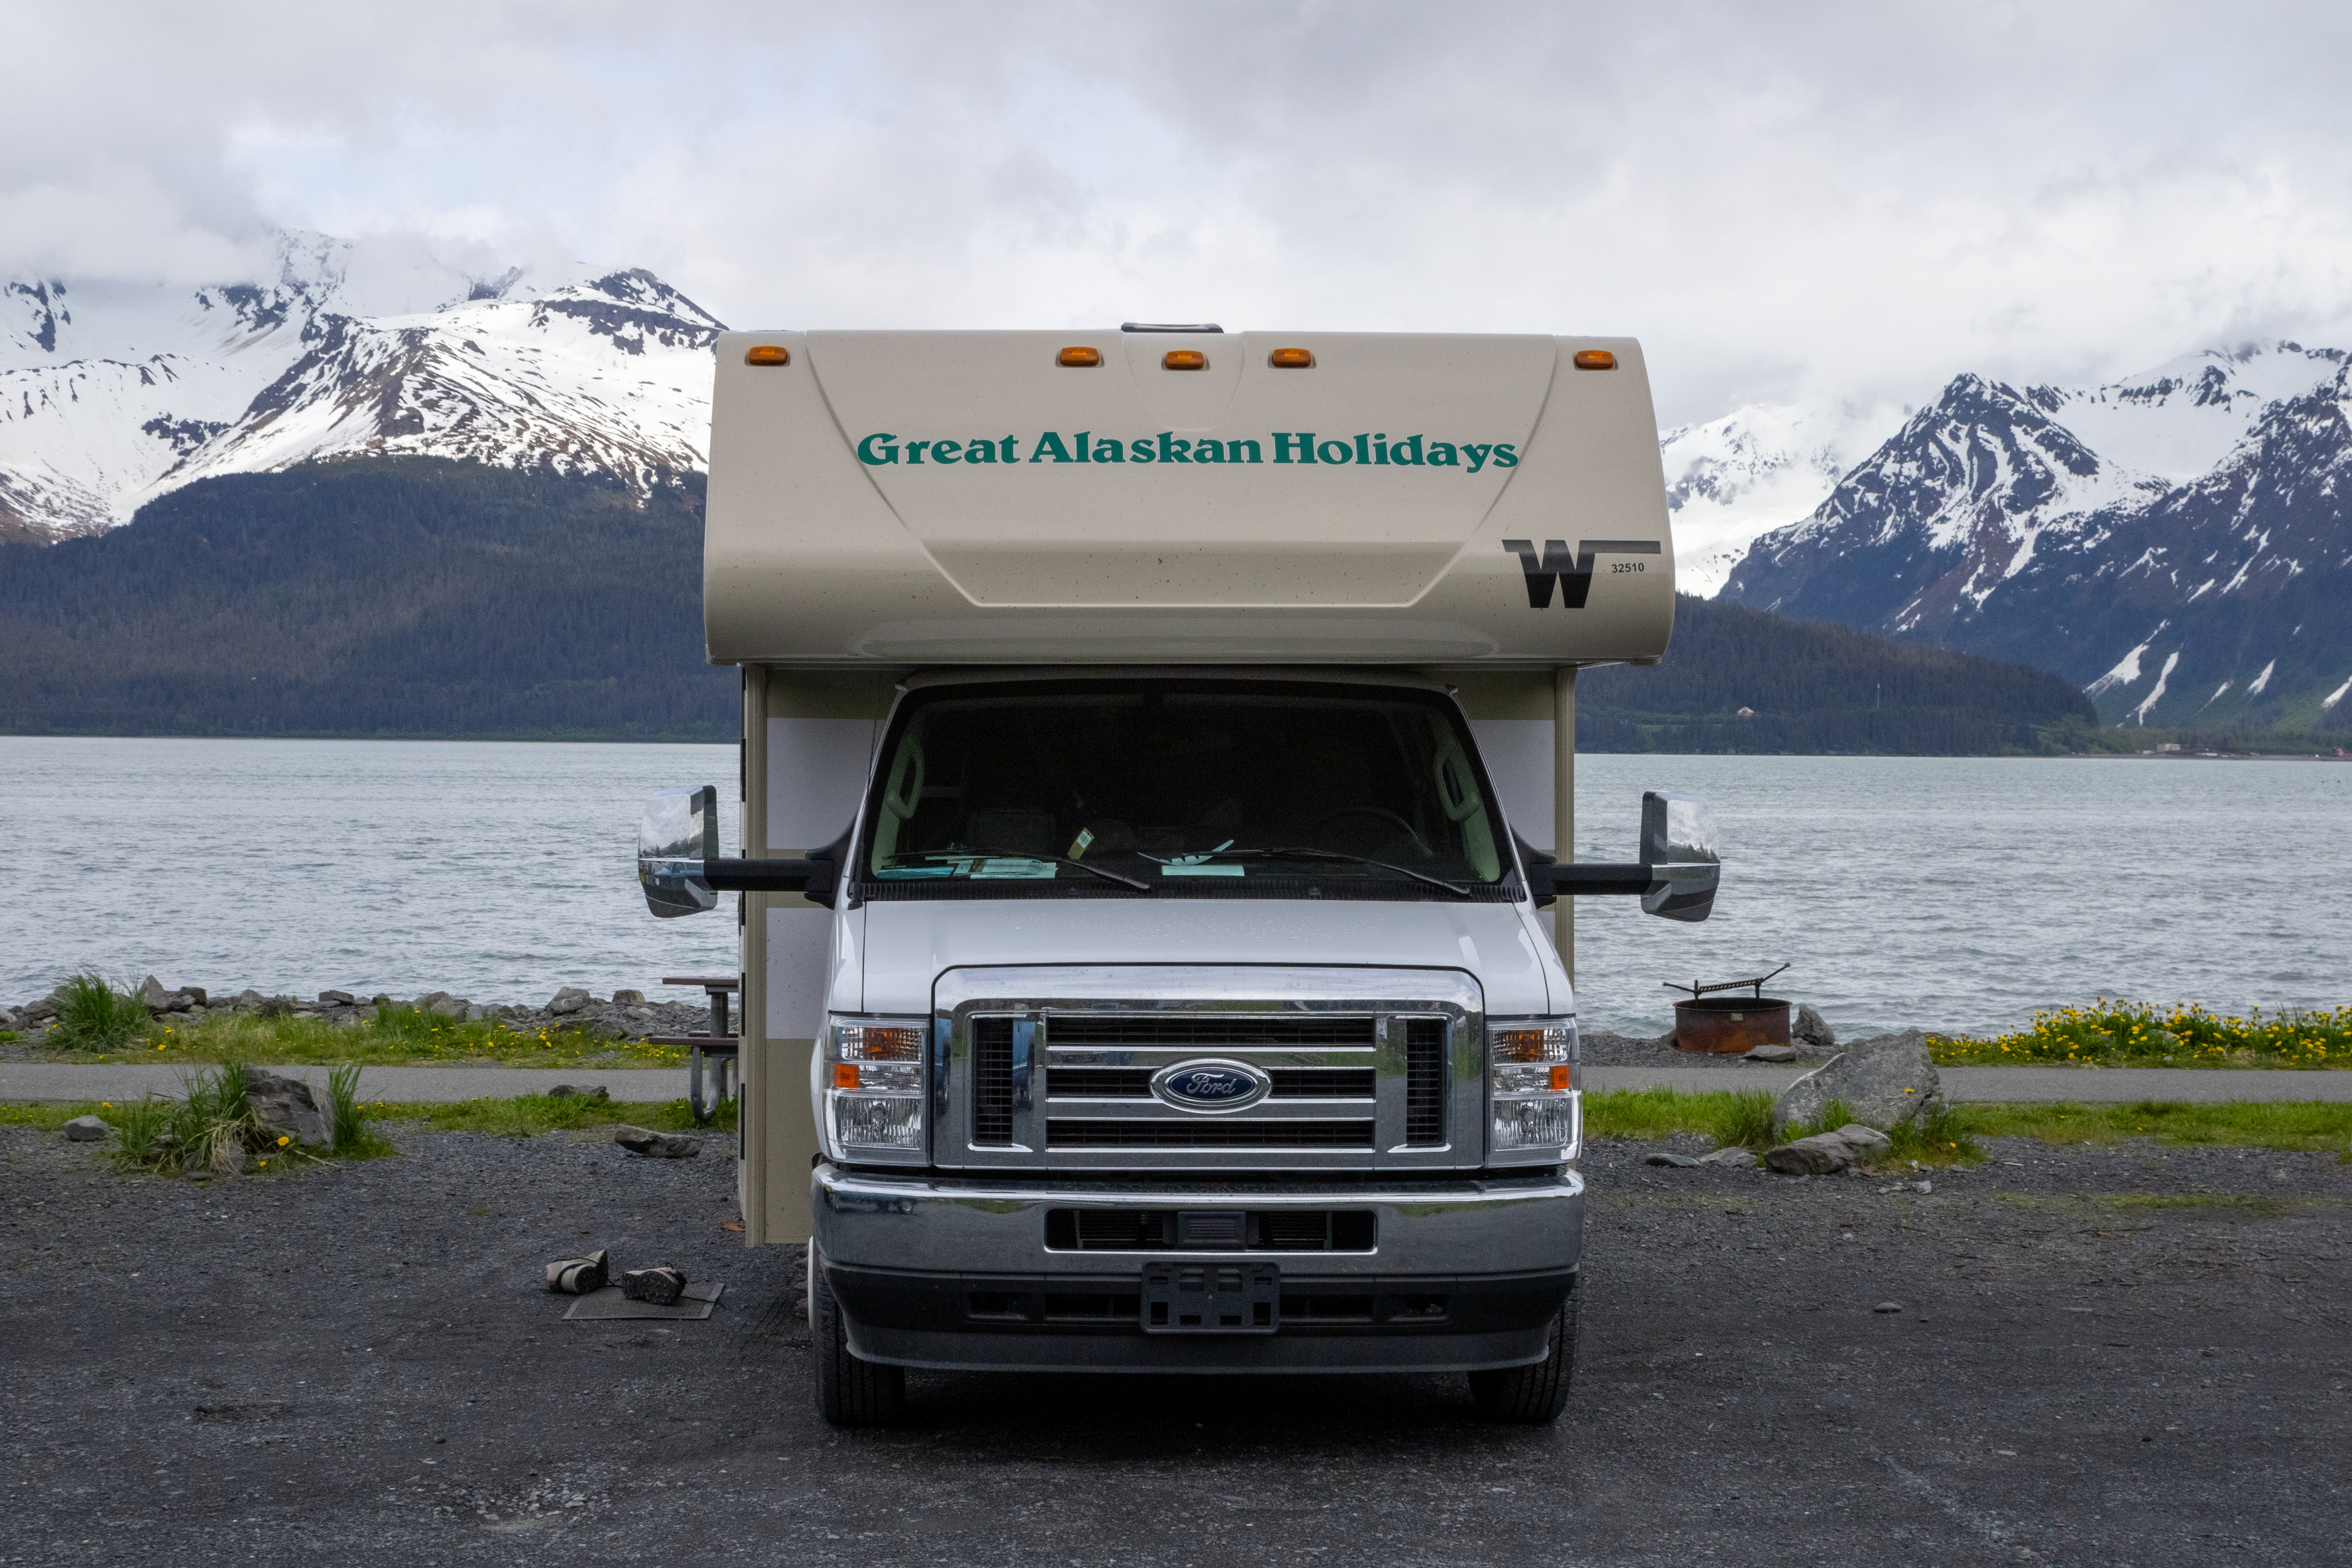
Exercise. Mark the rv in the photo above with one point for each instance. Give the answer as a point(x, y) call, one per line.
point(1149, 960)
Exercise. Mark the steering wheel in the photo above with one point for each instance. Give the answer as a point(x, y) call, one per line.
point(1381, 811)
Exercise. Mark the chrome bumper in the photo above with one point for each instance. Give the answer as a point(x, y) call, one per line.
point(960, 1273)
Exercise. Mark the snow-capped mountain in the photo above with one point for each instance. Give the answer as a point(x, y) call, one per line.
point(2180, 543)
point(1755, 469)
point(111, 394)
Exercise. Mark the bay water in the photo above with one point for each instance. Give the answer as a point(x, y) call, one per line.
point(1955, 894)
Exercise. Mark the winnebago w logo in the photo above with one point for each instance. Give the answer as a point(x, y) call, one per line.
point(1572, 573)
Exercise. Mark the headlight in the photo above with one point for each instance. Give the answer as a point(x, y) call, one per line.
point(872, 1072)
point(1534, 1114)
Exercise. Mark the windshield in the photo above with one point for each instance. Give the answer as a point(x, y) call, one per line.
point(1183, 786)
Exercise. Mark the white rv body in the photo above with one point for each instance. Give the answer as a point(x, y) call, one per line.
point(1452, 521)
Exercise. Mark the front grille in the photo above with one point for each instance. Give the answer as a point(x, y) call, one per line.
point(1424, 1080)
point(1158, 1230)
point(1067, 1133)
point(1208, 1031)
point(1135, 1083)
point(992, 1081)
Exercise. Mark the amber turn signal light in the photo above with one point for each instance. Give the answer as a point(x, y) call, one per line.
point(1291, 358)
point(1595, 359)
point(768, 353)
point(1561, 1077)
point(1078, 356)
point(1183, 359)
point(844, 1075)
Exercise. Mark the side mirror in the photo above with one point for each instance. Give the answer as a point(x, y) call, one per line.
point(1684, 856)
point(679, 833)
point(1676, 878)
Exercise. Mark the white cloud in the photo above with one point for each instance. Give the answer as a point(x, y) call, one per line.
point(1780, 200)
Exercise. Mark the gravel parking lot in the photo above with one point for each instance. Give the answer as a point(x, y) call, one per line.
point(2118, 1355)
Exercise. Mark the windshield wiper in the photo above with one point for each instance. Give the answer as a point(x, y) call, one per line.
point(1141, 887)
point(1456, 888)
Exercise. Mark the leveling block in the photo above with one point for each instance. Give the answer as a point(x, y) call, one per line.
point(693, 1305)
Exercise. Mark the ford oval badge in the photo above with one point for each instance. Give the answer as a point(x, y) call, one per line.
point(1210, 1085)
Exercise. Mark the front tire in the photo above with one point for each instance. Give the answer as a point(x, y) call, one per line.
point(1533, 1396)
point(849, 1392)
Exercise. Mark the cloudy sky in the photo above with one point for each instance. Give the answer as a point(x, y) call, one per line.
point(1781, 199)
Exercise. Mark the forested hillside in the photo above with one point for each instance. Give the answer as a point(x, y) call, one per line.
point(1815, 688)
point(414, 597)
point(385, 597)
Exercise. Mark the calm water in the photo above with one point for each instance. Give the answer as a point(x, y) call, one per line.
point(1954, 894)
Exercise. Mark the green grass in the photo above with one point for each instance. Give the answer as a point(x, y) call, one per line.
point(2112, 1033)
point(527, 1115)
point(94, 1016)
point(395, 1037)
point(2299, 1125)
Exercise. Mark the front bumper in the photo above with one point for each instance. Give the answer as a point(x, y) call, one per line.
point(981, 1274)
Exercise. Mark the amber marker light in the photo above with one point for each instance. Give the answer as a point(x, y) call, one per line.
point(1080, 356)
point(1291, 358)
point(1595, 359)
point(844, 1075)
point(767, 353)
point(1183, 359)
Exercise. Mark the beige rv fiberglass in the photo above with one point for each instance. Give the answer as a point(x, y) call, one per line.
point(1145, 737)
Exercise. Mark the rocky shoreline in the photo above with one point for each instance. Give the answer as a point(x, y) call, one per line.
point(624, 1016)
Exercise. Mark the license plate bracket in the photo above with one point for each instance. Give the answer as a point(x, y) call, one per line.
point(1212, 1298)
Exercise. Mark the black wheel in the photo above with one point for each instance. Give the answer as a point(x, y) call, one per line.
point(849, 1392)
point(1532, 1395)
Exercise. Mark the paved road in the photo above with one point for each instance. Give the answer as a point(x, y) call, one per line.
point(74, 1080)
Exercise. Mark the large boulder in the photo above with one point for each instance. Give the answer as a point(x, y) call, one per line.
point(1884, 1082)
point(1812, 1030)
point(656, 1145)
point(1825, 1153)
point(570, 999)
point(158, 999)
point(285, 1107)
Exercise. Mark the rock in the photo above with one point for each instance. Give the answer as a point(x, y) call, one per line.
point(1888, 1307)
point(571, 999)
point(441, 1004)
point(1882, 1082)
point(659, 1287)
point(1675, 1161)
point(41, 1009)
point(1812, 1030)
point(597, 1093)
point(285, 1107)
point(1925, 1186)
point(151, 992)
point(628, 998)
point(1825, 1153)
point(276, 1006)
point(1772, 1054)
point(248, 1000)
point(1735, 1156)
point(338, 999)
point(656, 1145)
point(198, 995)
point(87, 1130)
point(476, 1012)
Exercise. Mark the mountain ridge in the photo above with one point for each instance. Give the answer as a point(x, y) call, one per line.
point(112, 396)
point(2001, 520)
